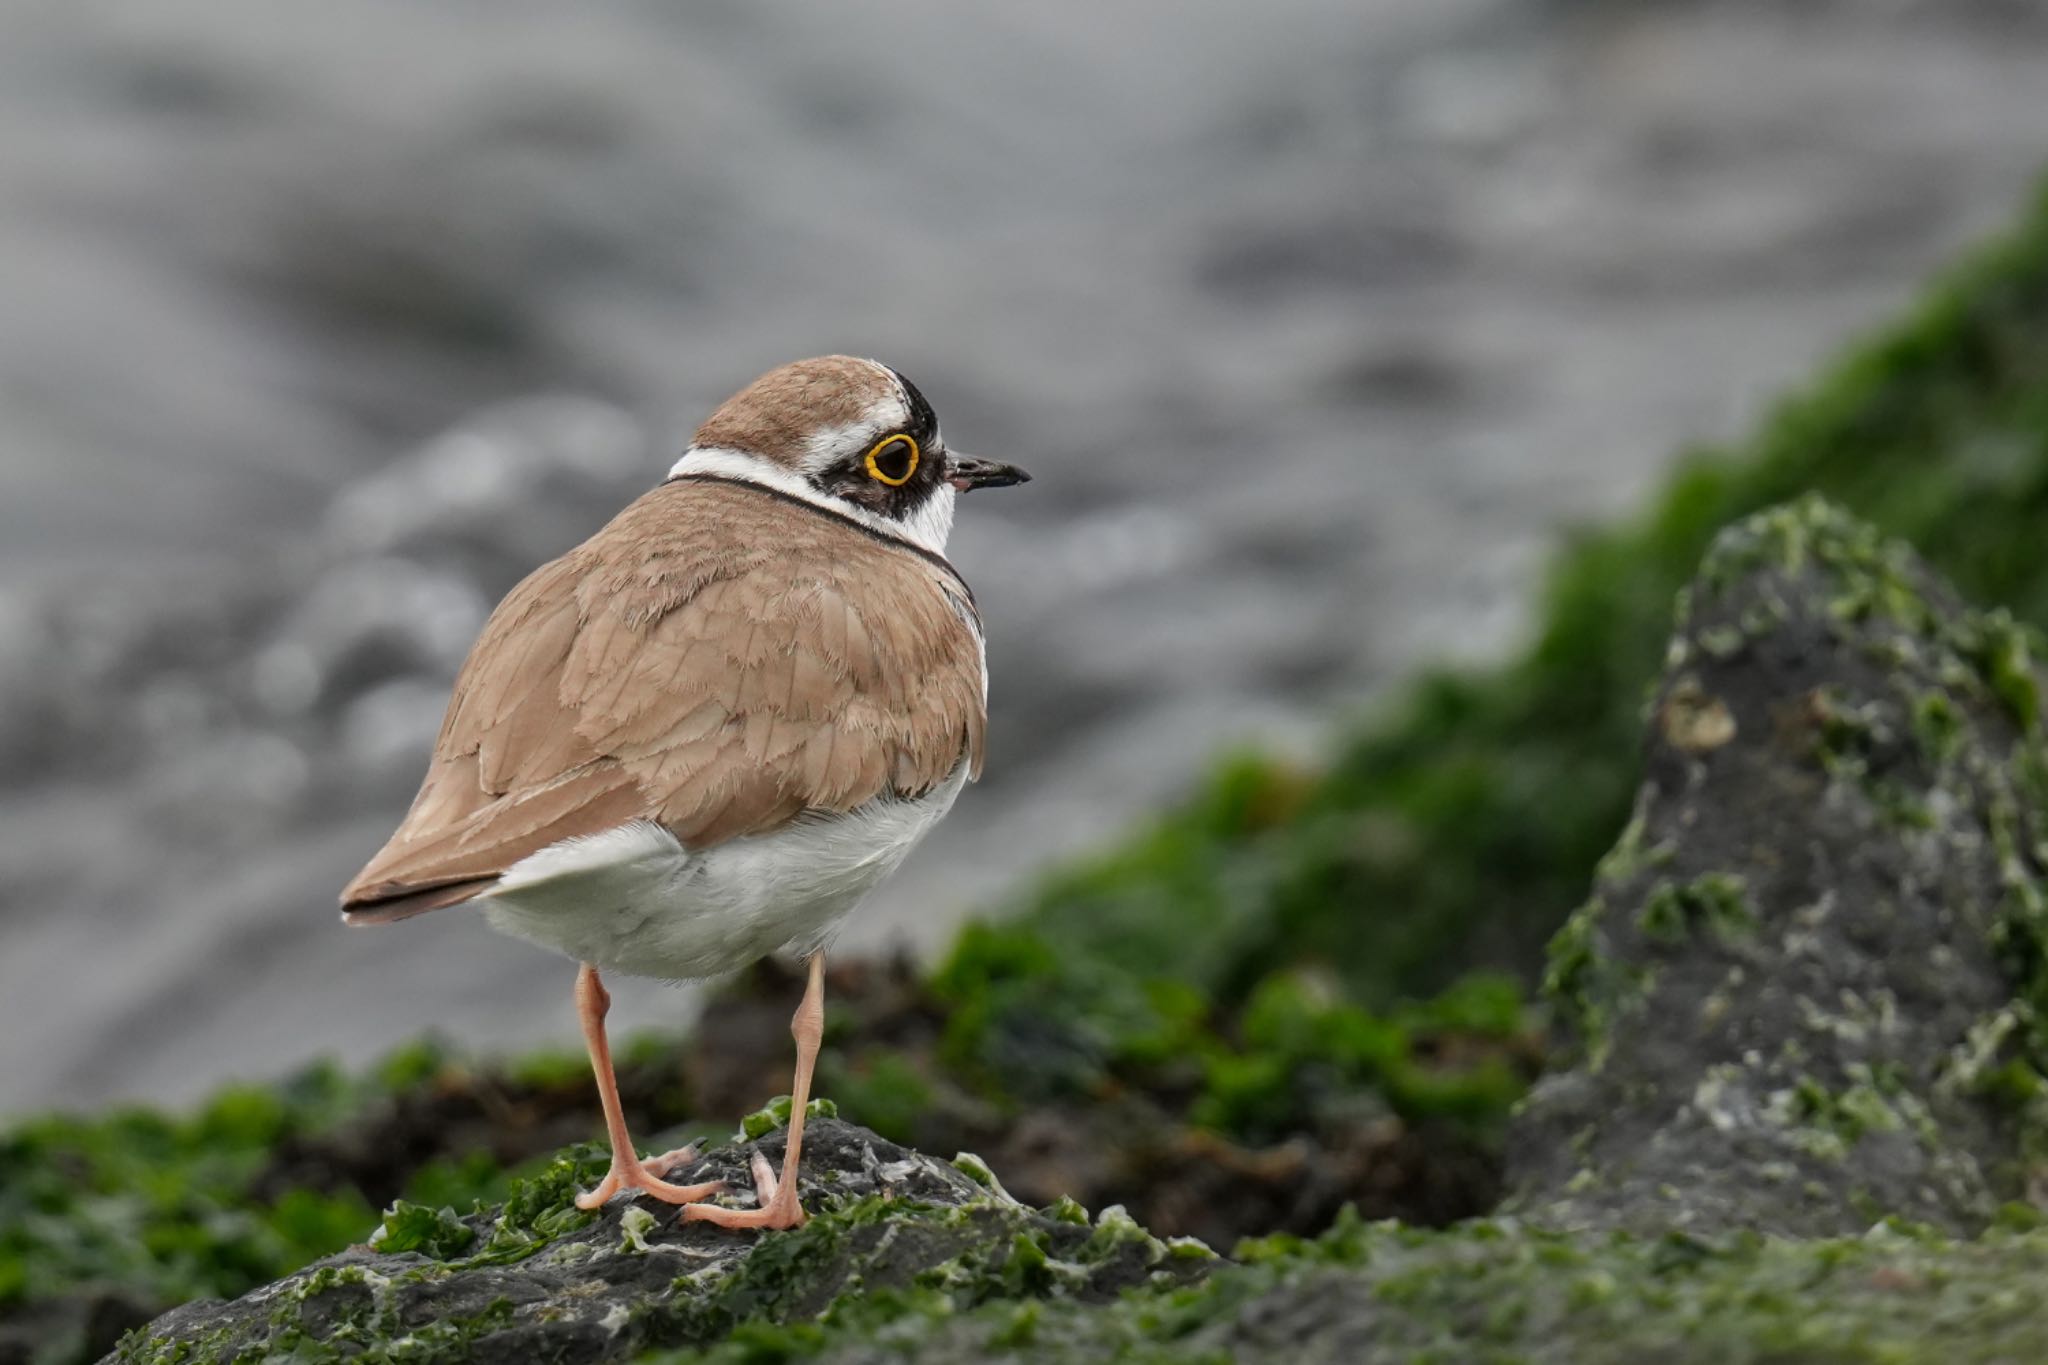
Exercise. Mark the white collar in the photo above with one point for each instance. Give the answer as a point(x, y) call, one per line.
point(927, 528)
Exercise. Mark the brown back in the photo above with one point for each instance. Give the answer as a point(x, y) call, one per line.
point(717, 659)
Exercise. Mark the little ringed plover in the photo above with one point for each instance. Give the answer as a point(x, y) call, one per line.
point(710, 730)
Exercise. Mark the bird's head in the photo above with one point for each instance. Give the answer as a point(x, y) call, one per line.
point(848, 433)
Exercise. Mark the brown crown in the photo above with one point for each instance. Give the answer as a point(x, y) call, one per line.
point(774, 416)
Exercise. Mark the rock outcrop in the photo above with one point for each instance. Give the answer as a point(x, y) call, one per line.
point(1794, 1109)
point(1790, 1004)
point(539, 1279)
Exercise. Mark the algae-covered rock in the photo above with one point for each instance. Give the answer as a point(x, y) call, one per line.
point(1791, 1116)
point(538, 1279)
point(1789, 1004)
point(1496, 1291)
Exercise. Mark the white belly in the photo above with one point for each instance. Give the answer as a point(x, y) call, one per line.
point(634, 900)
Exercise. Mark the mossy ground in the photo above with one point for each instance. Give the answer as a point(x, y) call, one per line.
point(1498, 1291)
point(892, 1234)
point(1251, 962)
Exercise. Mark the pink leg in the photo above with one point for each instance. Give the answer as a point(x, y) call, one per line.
point(778, 1206)
point(628, 1171)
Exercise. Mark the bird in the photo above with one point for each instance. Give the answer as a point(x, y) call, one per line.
point(707, 733)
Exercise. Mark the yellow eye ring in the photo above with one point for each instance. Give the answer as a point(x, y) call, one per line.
point(875, 470)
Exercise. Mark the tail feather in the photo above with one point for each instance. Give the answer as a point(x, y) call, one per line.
point(388, 909)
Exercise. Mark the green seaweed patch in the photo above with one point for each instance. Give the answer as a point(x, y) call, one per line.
point(634, 1225)
point(333, 1315)
point(1874, 1100)
point(1590, 989)
point(1846, 733)
point(1849, 737)
point(1033, 1023)
point(1938, 726)
point(2004, 652)
point(767, 1119)
point(1495, 1289)
point(774, 1115)
point(1303, 1056)
point(1066, 1209)
point(1722, 642)
point(435, 1232)
point(2020, 934)
point(977, 1170)
point(1633, 854)
point(541, 1208)
point(882, 1090)
point(1716, 901)
point(768, 1306)
point(169, 1208)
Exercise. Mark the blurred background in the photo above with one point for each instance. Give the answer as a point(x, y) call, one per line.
point(1318, 320)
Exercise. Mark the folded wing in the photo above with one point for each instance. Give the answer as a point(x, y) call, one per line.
point(716, 660)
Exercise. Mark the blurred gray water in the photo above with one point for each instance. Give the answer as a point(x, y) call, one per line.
point(1317, 321)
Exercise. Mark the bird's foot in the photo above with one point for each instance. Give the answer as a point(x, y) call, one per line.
point(643, 1176)
point(778, 1207)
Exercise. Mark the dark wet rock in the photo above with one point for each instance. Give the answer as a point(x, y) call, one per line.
point(1789, 1005)
point(537, 1279)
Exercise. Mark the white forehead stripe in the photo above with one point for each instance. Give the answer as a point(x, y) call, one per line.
point(928, 527)
point(888, 414)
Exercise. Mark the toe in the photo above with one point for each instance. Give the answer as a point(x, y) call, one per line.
point(775, 1203)
point(637, 1178)
point(765, 1183)
point(727, 1218)
point(680, 1194)
point(719, 1214)
point(783, 1213)
point(669, 1161)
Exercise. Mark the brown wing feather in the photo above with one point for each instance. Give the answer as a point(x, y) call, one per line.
point(714, 659)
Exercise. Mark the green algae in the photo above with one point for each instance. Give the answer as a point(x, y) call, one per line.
point(1589, 989)
point(1496, 1289)
point(167, 1207)
point(336, 1314)
point(1937, 726)
point(1716, 901)
point(977, 1170)
point(435, 1232)
point(865, 1265)
point(1873, 1101)
point(774, 1115)
point(990, 1254)
point(864, 1262)
point(634, 1225)
point(1301, 1053)
point(886, 1089)
point(542, 1206)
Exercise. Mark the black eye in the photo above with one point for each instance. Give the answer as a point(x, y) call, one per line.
point(893, 459)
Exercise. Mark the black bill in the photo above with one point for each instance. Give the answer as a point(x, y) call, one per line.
point(965, 472)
